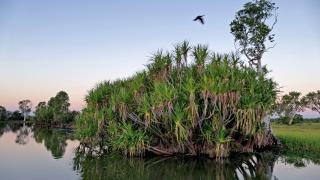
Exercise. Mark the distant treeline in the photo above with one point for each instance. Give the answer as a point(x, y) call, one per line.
point(54, 113)
point(316, 120)
point(297, 119)
point(10, 116)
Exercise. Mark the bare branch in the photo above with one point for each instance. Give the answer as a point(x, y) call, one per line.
point(271, 47)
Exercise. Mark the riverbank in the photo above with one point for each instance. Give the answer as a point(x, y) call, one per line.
point(304, 137)
point(69, 127)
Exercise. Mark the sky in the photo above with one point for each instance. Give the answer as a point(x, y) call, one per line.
point(48, 46)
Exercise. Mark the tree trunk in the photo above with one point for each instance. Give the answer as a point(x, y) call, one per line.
point(290, 120)
point(267, 123)
point(259, 66)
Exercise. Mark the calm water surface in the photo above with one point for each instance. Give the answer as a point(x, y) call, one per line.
point(35, 153)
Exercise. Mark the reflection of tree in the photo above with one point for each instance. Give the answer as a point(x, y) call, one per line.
point(257, 166)
point(300, 159)
point(11, 126)
point(2, 128)
point(23, 135)
point(15, 127)
point(54, 140)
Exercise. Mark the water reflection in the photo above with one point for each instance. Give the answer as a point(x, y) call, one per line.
point(71, 161)
point(254, 166)
point(2, 128)
point(298, 159)
point(32, 153)
point(12, 127)
point(23, 135)
point(246, 166)
point(53, 139)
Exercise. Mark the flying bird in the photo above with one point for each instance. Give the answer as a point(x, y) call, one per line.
point(200, 19)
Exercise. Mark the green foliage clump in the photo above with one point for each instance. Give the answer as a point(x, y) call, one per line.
point(56, 111)
point(191, 101)
point(128, 140)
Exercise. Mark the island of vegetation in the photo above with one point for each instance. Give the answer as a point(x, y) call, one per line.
point(190, 101)
point(206, 103)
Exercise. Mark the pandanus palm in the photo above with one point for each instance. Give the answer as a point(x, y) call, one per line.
point(180, 129)
point(192, 108)
point(200, 53)
point(185, 49)
point(178, 56)
point(160, 65)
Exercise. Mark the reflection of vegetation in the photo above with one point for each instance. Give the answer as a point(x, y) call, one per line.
point(23, 135)
point(54, 140)
point(300, 159)
point(2, 128)
point(299, 137)
point(113, 166)
point(10, 126)
point(15, 126)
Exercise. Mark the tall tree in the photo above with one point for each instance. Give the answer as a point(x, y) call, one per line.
point(251, 30)
point(312, 101)
point(42, 113)
point(289, 105)
point(3, 113)
point(59, 105)
point(25, 107)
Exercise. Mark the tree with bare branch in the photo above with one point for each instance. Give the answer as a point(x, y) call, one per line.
point(312, 101)
point(25, 108)
point(252, 30)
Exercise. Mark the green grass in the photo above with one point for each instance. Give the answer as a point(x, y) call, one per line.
point(299, 137)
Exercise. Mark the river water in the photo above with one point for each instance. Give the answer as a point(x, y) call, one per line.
point(28, 153)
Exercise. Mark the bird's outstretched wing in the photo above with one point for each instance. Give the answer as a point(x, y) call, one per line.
point(201, 20)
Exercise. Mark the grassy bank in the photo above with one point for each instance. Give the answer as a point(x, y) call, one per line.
point(299, 137)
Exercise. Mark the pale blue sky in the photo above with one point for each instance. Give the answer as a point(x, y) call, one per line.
point(47, 46)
